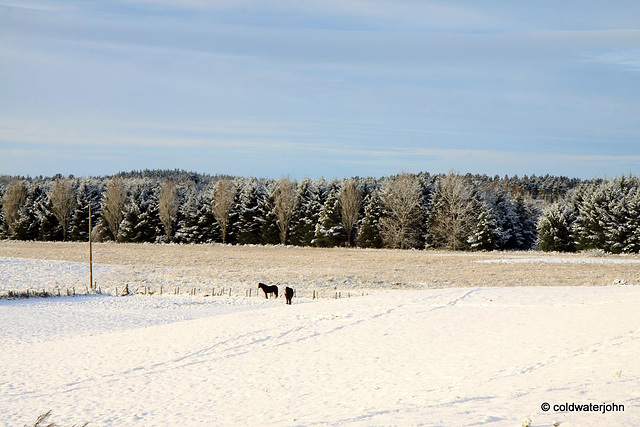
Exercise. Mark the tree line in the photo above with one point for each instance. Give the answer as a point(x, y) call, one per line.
point(600, 215)
point(406, 211)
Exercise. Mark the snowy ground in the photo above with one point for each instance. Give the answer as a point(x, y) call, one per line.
point(475, 355)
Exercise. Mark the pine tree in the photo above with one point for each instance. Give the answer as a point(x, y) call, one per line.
point(555, 228)
point(49, 227)
point(527, 219)
point(507, 227)
point(486, 235)
point(592, 218)
point(269, 230)
point(632, 244)
point(329, 229)
point(86, 193)
point(187, 228)
point(250, 213)
point(196, 223)
point(369, 235)
point(307, 212)
point(26, 225)
point(4, 228)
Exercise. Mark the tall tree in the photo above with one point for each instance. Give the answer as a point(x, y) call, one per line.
point(251, 213)
point(555, 228)
point(284, 204)
point(400, 224)
point(168, 206)
point(63, 201)
point(307, 212)
point(350, 204)
point(329, 229)
point(113, 205)
point(223, 201)
point(369, 235)
point(454, 212)
point(13, 199)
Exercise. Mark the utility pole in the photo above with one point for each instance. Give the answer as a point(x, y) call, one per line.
point(90, 252)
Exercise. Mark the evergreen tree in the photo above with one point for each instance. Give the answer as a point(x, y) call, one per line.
point(79, 227)
point(269, 230)
point(329, 229)
point(250, 213)
point(4, 228)
point(592, 218)
point(369, 236)
point(307, 212)
point(555, 228)
point(196, 223)
point(527, 219)
point(187, 228)
point(486, 235)
point(632, 244)
point(509, 235)
point(49, 226)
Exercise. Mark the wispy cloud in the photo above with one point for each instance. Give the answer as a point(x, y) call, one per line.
point(624, 57)
point(379, 82)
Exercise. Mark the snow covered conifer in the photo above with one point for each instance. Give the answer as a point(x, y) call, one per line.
point(527, 215)
point(555, 228)
point(250, 214)
point(270, 232)
point(307, 212)
point(87, 192)
point(369, 235)
point(485, 235)
point(632, 244)
point(329, 229)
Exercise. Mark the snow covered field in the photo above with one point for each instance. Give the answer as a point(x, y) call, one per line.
point(421, 355)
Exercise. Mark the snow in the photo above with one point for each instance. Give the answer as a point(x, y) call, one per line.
point(458, 356)
point(560, 260)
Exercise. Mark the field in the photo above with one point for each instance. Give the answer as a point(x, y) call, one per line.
point(417, 337)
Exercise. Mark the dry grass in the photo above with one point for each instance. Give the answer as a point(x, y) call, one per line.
point(338, 268)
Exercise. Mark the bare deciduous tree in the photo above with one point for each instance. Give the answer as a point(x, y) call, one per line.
point(401, 224)
point(13, 199)
point(284, 203)
point(114, 200)
point(168, 205)
point(63, 201)
point(223, 198)
point(453, 216)
point(350, 203)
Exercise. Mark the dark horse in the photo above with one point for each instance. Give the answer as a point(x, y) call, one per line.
point(268, 289)
point(288, 294)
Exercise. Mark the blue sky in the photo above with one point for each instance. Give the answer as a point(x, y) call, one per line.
point(315, 88)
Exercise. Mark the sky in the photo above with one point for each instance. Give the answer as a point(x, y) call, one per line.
point(320, 88)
